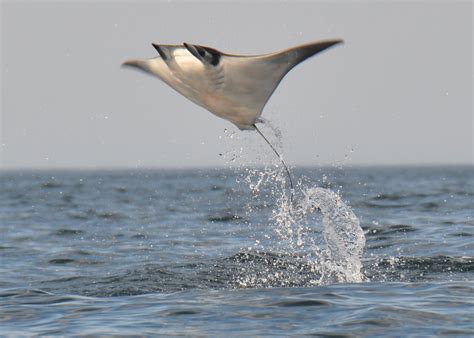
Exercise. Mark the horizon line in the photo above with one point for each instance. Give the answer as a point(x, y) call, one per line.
point(231, 167)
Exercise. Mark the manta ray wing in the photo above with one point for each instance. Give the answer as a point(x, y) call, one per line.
point(247, 82)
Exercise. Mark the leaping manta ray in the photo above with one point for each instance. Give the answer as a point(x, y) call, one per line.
point(233, 87)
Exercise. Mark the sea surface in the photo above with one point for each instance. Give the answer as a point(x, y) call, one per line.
point(357, 251)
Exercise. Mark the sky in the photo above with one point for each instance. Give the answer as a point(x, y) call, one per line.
point(398, 92)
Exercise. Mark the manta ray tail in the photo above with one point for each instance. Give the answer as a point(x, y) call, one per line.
point(281, 160)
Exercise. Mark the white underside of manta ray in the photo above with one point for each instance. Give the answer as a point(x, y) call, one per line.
point(233, 87)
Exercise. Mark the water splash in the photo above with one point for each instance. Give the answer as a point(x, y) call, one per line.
point(344, 237)
point(317, 237)
point(319, 228)
point(335, 249)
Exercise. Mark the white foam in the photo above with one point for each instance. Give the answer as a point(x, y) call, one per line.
point(340, 261)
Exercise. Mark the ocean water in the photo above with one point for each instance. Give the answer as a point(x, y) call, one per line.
point(359, 252)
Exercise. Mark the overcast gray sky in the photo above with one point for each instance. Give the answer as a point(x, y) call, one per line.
point(399, 91)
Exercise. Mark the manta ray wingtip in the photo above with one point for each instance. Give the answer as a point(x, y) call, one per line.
point(138, 64)
point(334, 42)
point(129, 63)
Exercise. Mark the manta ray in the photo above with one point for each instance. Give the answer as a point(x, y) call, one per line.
point(233, 87)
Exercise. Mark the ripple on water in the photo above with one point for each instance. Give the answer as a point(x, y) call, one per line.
point(67, 232)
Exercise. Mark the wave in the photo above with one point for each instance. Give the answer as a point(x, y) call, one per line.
point(253, 269)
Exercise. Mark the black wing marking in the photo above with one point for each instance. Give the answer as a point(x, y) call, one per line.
point(160, 51)
point(205, 54)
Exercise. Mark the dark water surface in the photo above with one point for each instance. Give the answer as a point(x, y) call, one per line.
point(198, 252)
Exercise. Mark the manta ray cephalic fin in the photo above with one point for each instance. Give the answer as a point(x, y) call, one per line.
point(206, 55)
